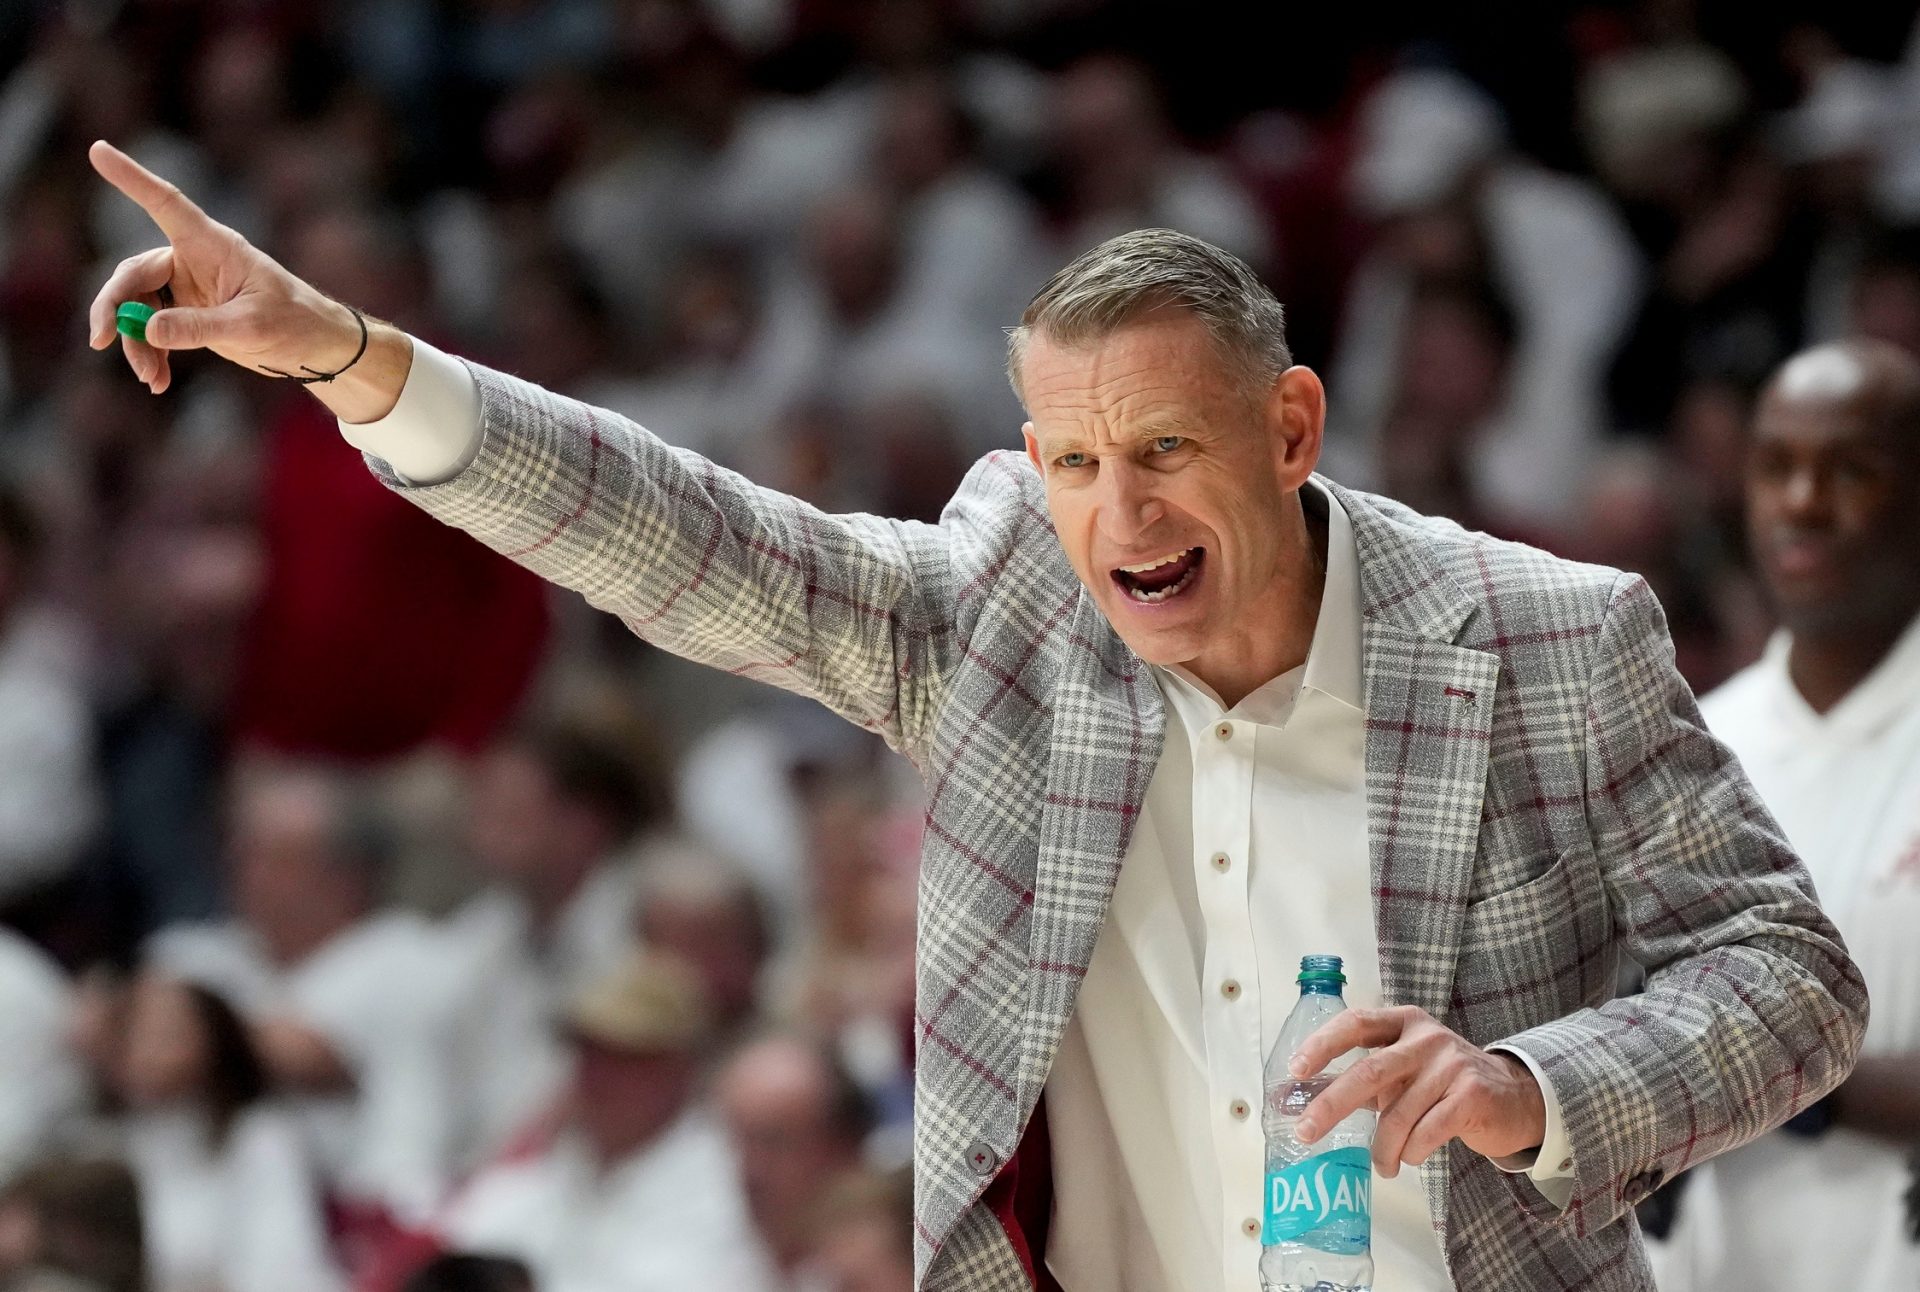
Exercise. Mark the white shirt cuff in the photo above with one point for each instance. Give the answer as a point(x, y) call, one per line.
point(1550, 1166)
point(433, 431)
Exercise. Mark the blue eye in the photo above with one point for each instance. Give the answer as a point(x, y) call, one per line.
point(1167, 443)
point(1075, 459)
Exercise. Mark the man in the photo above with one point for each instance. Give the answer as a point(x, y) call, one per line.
point(797, 1122)
point(558, 815)
point(1166, 685)
point(350, 1006)
point(49, 802)
point(702, 909)
point(637, 1191)
point(1828, 724)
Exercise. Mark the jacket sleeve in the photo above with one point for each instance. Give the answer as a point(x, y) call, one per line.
point(852, 610)
point(1752, 1008)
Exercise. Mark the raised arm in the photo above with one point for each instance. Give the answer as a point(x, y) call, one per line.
point(855, 611)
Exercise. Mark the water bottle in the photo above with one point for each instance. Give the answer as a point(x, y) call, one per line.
point(1316, 1233)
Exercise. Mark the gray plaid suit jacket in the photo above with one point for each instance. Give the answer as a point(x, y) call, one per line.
point(1542, 799)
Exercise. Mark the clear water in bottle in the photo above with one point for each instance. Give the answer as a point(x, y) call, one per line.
point(1317, 1226)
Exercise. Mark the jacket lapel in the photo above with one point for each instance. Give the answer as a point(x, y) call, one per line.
point(1429, 706)
point(1108, 724)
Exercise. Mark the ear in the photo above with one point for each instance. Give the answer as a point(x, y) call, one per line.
point(1033, 448)
point(1296, 417)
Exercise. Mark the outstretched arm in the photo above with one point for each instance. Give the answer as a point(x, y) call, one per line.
point(853, 610)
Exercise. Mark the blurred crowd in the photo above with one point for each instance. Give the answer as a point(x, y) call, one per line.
point(373, 917)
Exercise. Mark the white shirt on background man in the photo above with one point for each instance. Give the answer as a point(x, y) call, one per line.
point(1788, 1211)
point(669, 1218)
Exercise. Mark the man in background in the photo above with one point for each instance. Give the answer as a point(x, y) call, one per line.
point(1827, 724)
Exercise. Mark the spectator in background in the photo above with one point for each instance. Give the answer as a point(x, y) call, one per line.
point(1454, 202)
point(636, 1191)
point(797, 1122)
point(352, 1006)
point(72, 1225)
point(1117, 165)
point(561, 817)
point(1828, 726)
point(183, 574)
point(1708, 203)
point(42, 1087)
point(558, 809)
point(704, 911)
point(227, 1193)
point(49, 804)
point(854, 980)
point(352, 577)
point(970, 240)
point(861, 1235)
point(1448, 399)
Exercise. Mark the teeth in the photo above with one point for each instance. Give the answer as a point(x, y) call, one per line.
point(1172, 589)
point(1154, 565)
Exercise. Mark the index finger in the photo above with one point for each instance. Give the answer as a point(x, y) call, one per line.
point(171, 209)
point(1349, 1029)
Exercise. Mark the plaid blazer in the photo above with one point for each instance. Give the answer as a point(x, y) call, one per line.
point(1541, 799)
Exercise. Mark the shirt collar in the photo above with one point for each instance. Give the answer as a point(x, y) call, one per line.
point(1875, 700)
point(1334, 658)
point(1333, 665)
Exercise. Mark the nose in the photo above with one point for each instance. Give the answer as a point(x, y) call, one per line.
point(1129, 506)
point(1806, 498)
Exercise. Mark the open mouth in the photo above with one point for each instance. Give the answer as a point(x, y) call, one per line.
point(1162, 578)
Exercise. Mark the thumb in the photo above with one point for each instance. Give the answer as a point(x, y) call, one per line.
point(182, 328)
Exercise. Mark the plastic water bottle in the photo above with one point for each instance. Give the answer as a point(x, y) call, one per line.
point(1317, 1231)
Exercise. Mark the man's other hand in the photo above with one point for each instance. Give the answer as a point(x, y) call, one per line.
point(234, 299)
point(1429, 1085)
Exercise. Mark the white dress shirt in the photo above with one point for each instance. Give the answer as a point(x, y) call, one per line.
point(1785, 1211)
point(242, 1216)
point(670, 1218)
point(1157, 1171)
point(385, 997)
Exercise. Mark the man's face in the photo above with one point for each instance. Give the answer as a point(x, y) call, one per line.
point(1833, 512)
point(774, 1099)
point(1153, 452)
point(622, 1100)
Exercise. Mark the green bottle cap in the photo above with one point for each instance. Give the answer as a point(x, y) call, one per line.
point(131, 319)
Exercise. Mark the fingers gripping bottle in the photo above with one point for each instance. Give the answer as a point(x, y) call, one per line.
point(1316, 1234)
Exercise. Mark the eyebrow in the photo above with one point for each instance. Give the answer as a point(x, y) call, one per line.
point(1151, 427)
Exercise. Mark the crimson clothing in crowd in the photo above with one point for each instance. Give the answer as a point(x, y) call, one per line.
point(355, 575)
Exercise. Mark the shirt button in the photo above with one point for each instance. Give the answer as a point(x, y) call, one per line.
point(1240, 1110)
point(1230, 989)
point(1250, 1227)
point(1222, 862)
point(1224, 730)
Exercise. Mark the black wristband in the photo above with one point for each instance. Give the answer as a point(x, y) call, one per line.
point(359, 318)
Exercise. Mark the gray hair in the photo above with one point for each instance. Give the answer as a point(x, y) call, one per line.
point(1150, 269)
